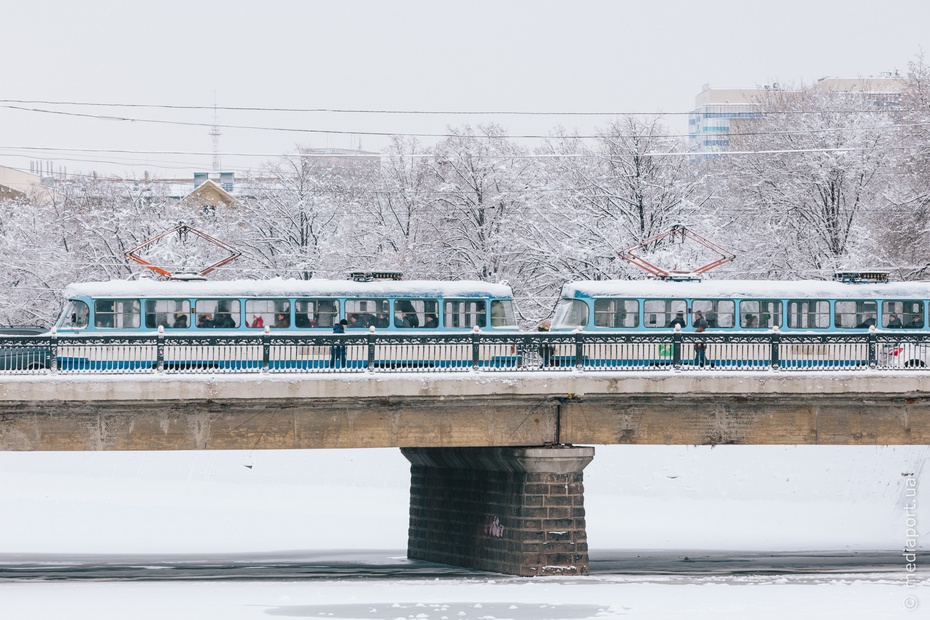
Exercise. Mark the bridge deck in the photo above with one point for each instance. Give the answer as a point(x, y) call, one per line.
point(177, 412)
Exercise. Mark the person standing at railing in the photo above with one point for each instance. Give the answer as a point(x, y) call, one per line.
point(337, 353)
point(545, 350)
point(700, 349)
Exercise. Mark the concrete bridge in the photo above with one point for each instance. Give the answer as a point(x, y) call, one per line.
point(496, 458)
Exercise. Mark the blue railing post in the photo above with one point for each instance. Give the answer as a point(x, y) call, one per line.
point(579, 349)
point(160, 349)
point(53, 351)
point(676, 348)
point(371, 349)
point(776, 342)
point(266, 349)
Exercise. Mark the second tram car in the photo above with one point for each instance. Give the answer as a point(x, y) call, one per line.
point(739, 307)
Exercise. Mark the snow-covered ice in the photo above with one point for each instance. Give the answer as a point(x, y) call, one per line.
point(764, 498)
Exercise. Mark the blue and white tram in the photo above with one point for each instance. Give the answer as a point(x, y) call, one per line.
point(739, 307)
point(190, 311)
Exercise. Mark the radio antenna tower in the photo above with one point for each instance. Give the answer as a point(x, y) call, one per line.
point(215, 132)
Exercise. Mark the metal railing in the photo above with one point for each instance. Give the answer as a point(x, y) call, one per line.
point(476, 351)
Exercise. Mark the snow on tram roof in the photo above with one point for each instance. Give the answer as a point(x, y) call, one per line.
point(279, 287)
point(780, 289)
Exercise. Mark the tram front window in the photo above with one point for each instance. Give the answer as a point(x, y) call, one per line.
point(76, 315)
point(570, 313)
point(502, 314)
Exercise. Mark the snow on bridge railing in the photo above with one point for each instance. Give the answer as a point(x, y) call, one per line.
point(272, 352)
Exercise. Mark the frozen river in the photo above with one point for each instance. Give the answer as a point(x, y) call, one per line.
point(100, 514)
point(383, 585)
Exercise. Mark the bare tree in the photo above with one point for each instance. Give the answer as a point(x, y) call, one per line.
point(904, 224)
point(631, 185)
point(483, 182)
point(291, 220)
point(401, 212)
point(804, 173)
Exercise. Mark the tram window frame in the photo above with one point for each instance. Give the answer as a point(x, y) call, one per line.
point(204, 307)
point(415, 313)
point(669, 311)
point(711, 309)
point(899, 307)
point(116, 317)
point(464, 313)
point(268, 309)
point(615, 313)
point(764, 320)
point(165, 313)
point(854, 313)
point(366, 311)
point(313, 312)
point(821, 313)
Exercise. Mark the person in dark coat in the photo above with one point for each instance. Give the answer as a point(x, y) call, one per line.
point(917, 322)
point(894, 322)
point(337, 353)
point(224, 320)
point(699, 320)
point(700, 349)
point(679, 320)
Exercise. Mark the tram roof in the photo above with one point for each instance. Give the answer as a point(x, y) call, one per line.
point(287, 288)
point(778, 289)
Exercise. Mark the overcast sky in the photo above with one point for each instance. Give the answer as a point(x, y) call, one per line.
point(650, 56)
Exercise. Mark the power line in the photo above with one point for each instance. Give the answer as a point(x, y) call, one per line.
point(383, 134)
point(397, 112)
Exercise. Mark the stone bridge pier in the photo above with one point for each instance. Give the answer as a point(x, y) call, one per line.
point(518, 511)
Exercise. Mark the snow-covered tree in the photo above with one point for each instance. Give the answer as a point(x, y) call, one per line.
point(400, 213)
point(904, 223)
point(483, 182)
point(804, 175)
point(291, 222)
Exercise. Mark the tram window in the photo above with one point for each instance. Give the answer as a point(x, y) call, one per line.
point(808, 314)
point(116, 313)
point(855, 314)
point(569, 313)
point(661, 312)
point(364, 313)
point(764, 313)
point(413, 313)
point(465, 313)
point(167, 313)
point(502, 314)
point(908, 314)
point(218, 313)
point(316, 312)
point(719, 313)
point(76, 315)
point(616, 313)
point(267, 312)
